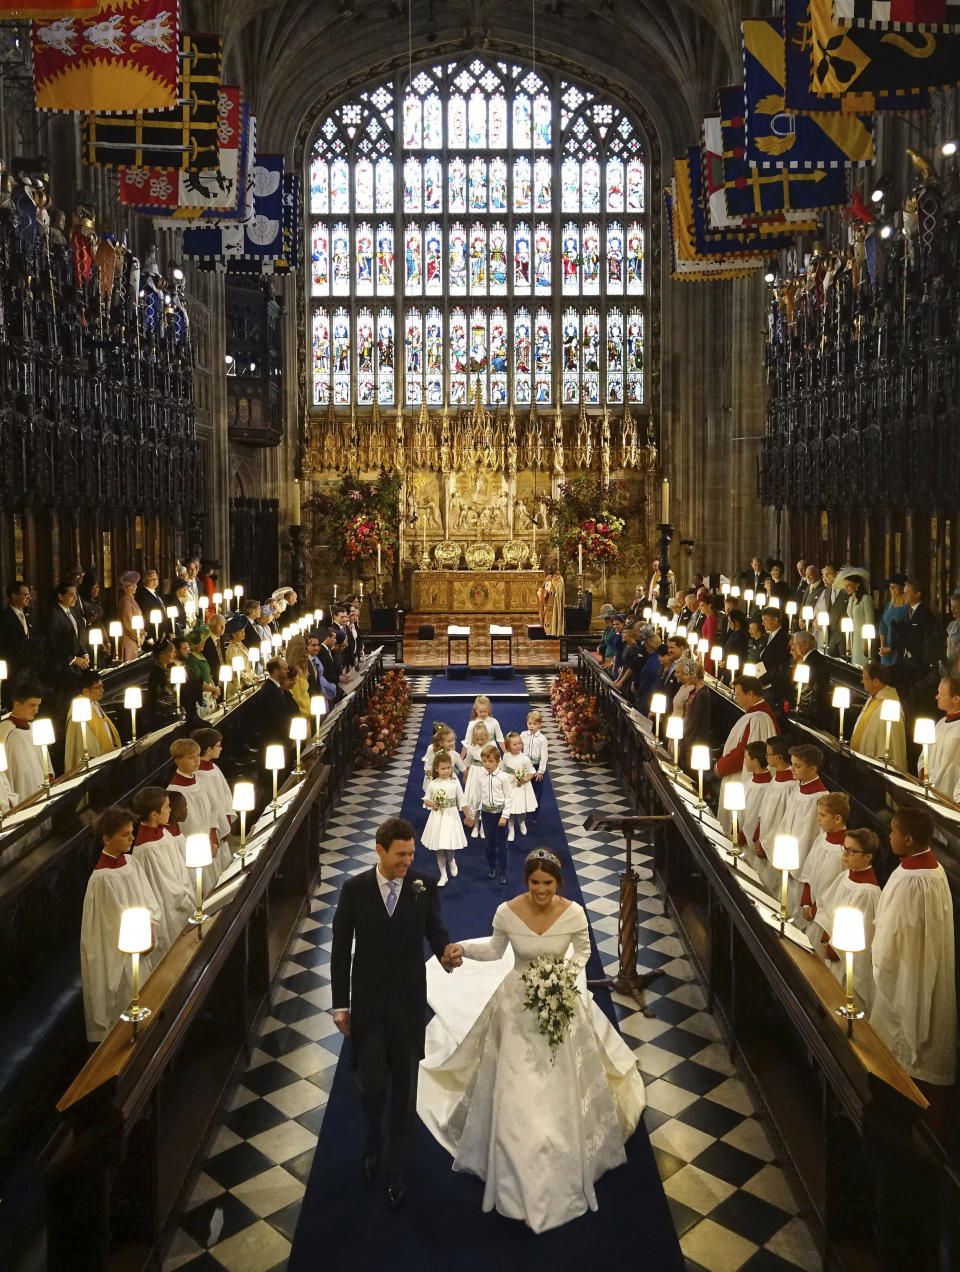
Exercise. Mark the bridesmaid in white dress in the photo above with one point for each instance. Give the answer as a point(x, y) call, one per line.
point(539, 1131)
point(443, 833)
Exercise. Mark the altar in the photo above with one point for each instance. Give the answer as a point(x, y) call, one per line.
point(476, 592)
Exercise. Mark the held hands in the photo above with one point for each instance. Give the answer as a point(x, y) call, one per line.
point(538, 777)
point(428, 803)
point(502, 821)
point(451, 957)
point(342, 1020)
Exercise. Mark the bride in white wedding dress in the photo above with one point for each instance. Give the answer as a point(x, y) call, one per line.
point(540, 1133)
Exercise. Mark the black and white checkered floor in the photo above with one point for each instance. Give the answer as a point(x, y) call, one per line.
point(731, 1203)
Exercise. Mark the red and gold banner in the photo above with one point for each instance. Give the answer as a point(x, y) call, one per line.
point(124, 59)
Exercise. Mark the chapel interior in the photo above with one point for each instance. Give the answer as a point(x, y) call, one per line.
point(512, 325)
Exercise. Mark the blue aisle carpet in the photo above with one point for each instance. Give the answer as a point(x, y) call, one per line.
point(469, 687)
point(441, 1228)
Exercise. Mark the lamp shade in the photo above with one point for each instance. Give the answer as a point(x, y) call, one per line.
point(681, 630)
point(244, 797)
point(848, 934)
point(890, 710)
point(318, 705)
point(239, 663)
point(786, 853)
point(647, 611)
point(132, 698)
point(806, 613)
point(700, 758)
point(225, 673)
point(3, 669)
point(823, 619)
point(217, 599)
point(238, 591)
point(735, 590)
point(172, 613)
point(318, 615)
point(266, 649)
point(42, 732)
point(228, 594)
point(801, 674)
point(846, 624)
point(299, 729)
point(156, 617)
point(733, 663)
point(868, 631)
point(748, 594)
point(716, 654)
point(841, 697)
point(658, 703)
point(276, 757)
point(924, 731)
point(702, 647)
point(136, 931)
point(790, 608)
point(178, 675)
point(198, 853)
point(136, 622)
point(95, 636)
point(115, 629)
point(734, 797)
point(276, 642)
point(253, 653)
point(724, 589)
point(773, 602)
point(189, 608)
point(81, 710)
point(749, 669)
point(675, 727)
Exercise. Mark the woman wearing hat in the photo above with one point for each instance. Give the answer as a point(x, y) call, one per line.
point(127, 609)
point(236, 625)
point(198, 669)
point(897, 610)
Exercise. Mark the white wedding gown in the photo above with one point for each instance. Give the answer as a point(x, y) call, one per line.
point(538, 1134)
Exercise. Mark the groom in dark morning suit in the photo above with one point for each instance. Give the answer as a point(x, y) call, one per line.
point(389, 912)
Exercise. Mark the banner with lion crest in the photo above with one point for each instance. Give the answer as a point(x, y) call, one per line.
point(778, 138)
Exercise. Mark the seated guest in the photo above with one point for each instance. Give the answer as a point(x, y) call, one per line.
point(944, 754)
point(756, 641)
point(127, 608)
point(824, 862)
point(118, 883)
point(199, 671)
point(251, 631)
point(738, 638)
point(161, 858)
point(856, 887)
point(755, 724)
point(65, 651)
point(102, 735)
point(212, 646)
point(210, 742)
point(149, 599)
point(24, 762)
point(235, 649)
point(870, 731)
point(813, 705)
point(88, 595)
point(800, 813)
point(277, 704)
point(298, 663)
point(202, 817)
point(915, 1005)
point(18, 646)
point(161, 694)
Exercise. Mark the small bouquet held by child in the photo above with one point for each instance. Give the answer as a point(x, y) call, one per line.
point(551, 991)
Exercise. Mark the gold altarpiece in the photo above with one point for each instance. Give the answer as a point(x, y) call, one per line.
point(475, 534)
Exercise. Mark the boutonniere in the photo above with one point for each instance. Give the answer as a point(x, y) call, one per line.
point(418, 887)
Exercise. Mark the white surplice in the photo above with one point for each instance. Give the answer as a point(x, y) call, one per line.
point(538, 1133)
point(162, 860)
point(202, 817)
point(915, 1006)
point(24, 763)
point(755, 725)
point(944, 757)
point(773, 803)
point(859, 890)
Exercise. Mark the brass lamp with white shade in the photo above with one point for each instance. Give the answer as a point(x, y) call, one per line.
point(869, 633)
point(889, 713)
point(734, 802)
point(81, 712)
point(41, 733)
point(217, 600)
point(716, 656)
point(299, 732)
point(733, 664)
point(226, 676)
point(227, 597)
point(823, 622)
point(178, 677)
point(115, 631)
point(136, 623)
point(95, 640)
point(675, 733)
point(239, 665)
point(801, 678)
point(807, 615)
point(275, 759)
point(724, 589)
point(199, 855)
point(846, 626)
point(848, 938)
point(658, 706)
point(173, 614)
point(276, 642)
point(735, 590)
point(786, 857)
point(925, 734)
point(266, 651)
point(238, 593)
point(790, 609)
point(253, 653)
point(773, 602)
point(700, 763)
point(156, 618)
point(680, 629)
point(133, 701)
point(750, 669)
point(748, 595)
point(135, 938)
point(703, 647)
point(318, 709)
point(841, 701)
point(244, 801)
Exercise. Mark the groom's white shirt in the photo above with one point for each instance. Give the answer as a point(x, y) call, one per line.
point(384, 886)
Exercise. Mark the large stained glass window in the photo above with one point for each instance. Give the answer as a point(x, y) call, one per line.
point(482, 223)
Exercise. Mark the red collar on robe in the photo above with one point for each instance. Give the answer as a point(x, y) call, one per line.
point(949, 719)
point(18, 723)
point(862, 876)
point(760, 778)
point(148, 834)
point(206, 766)
point(178, 779)
point(836, 836)
point(784, 775)
point(920, 861)
point(816, 787)
point(172, 828)
point(107, 862)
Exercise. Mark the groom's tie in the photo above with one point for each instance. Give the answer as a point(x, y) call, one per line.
point(392, 895)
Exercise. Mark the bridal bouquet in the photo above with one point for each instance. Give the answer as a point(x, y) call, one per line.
point(551, 992)
point(442, 799)
point(520, 774)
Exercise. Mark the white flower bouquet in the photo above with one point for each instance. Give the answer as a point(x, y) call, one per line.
point(551, 992)
point(442, 799)
point(520, 774)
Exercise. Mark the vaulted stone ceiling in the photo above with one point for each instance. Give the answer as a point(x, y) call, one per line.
point(288, 54)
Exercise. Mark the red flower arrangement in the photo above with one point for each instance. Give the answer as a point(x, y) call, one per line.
point(379, 730)
point(362, 533)
point(578, 721)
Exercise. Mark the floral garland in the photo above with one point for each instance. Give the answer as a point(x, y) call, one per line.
point(379, 730)
point(578, 722)
point(551, 993)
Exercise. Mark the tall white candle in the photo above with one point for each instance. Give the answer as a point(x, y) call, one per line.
point(378, 558)
point(665, 502)
point(580, 558)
